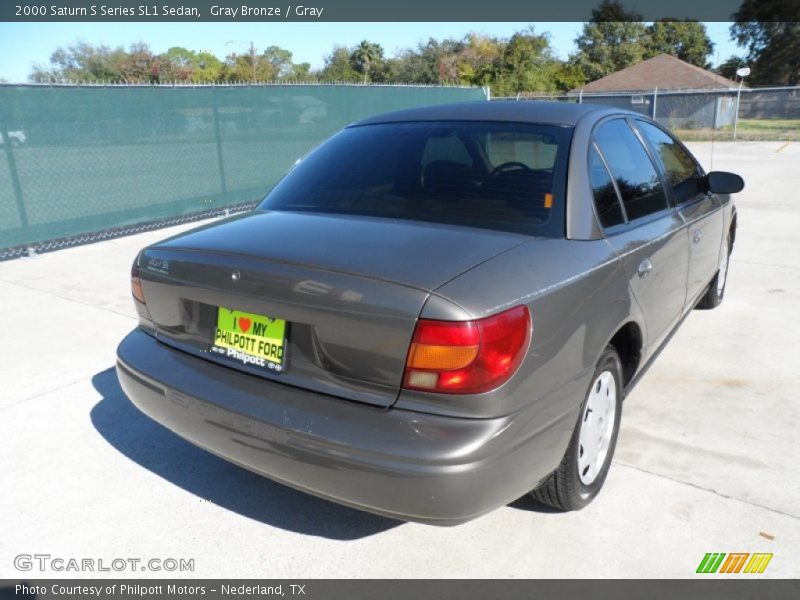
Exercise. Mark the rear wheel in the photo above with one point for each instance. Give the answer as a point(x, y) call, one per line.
point(584, 468)
point(716, 289)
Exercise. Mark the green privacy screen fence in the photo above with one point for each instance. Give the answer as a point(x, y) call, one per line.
point(81, 159)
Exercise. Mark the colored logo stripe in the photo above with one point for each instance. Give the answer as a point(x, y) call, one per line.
point(734, 562)
point(713, 562)
point(710, 562)
point(758, 563)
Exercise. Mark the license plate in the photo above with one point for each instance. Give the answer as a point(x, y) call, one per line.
point(251, 339)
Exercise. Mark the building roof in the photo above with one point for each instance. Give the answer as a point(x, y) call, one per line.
point(664, 72)
point(556, 113)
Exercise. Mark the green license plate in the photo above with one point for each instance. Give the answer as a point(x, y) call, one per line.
point(251, 339)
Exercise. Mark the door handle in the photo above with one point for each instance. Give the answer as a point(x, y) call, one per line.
point(644, 268)
point(697, 235)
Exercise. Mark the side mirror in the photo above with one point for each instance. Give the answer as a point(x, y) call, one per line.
point(722, 182)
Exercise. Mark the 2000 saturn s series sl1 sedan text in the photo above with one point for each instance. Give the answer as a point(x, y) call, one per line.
point(436, 311)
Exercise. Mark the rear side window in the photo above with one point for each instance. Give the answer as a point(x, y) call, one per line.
point(682, 171)
point(606, 200)
point(505, 176)
point(630, 166)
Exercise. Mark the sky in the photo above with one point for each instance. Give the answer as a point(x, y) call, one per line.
point(24, 44)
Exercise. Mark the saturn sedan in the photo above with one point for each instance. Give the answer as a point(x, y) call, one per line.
point(438, 310)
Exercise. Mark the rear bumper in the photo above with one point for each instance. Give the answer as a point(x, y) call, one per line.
point(403, 464)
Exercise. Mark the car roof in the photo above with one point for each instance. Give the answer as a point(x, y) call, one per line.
point(522, 111)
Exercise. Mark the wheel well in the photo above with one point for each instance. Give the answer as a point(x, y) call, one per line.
point(628, 344)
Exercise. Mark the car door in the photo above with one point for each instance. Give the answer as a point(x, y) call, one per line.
point(647, 233)
point(701, 210)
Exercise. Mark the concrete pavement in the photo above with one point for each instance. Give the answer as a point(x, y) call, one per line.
point(707, 459)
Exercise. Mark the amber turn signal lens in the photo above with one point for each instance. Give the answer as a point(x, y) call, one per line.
point(467, 357)
point(136, 285)
point(430, 356)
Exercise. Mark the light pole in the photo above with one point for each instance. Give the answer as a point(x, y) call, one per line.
point(741, 74)
point(252, 54)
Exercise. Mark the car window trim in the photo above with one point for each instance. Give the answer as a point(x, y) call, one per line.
point(654, 160)
point(630, 224)
point(642, 221)
point(593, 146)
point(662, 167)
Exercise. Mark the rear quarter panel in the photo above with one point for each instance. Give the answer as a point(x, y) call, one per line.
point(578, 297)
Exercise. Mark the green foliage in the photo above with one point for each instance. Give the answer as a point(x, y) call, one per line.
point(523, 63)
point(280, 61)
point(613, 39)
point(301, 72)
point(366, 57)
point(338, 66)
point(139, 64)
point(686, 40)
point(528, 65)
point(729, 67)
point(569, 76)
point(82, 61)
point(770, 31)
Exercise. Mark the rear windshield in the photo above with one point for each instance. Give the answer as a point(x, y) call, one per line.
point(506, 176)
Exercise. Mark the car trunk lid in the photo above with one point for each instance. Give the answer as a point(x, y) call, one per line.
point(350, 290)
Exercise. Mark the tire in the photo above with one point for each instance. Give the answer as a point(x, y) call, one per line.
point(577, 480)
point(716, 289)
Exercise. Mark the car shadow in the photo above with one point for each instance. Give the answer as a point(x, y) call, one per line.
point(528, 504)
point(213, 479)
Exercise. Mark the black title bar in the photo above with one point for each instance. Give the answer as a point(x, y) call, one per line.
point(362, 10)
point(706, 588)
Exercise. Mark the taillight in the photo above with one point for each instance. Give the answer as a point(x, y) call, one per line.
point(467, 357)
point(136, 284)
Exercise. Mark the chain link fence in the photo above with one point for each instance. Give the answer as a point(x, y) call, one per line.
point(80, 163)
point(757, 114)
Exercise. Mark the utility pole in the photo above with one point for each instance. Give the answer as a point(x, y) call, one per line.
point(741, 73)
point(253, 59)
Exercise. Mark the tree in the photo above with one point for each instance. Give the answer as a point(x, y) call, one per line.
point(179, 64)
point(140, 65)
point(729, 67)
point(338, 66)
point(612, 40)
point(254, 67)
point(686, 40)
point(366, 56)
point(770, 31)
point(82, 62)
point(207, 68)
point(428, 63)
point(528, 65)
point(280, 61)
point(569, 76)
point(301, 72)
point(418, 65)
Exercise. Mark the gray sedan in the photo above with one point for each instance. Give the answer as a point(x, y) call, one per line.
point(438, 310)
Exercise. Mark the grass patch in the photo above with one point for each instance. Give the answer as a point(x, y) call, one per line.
point(763, 130)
